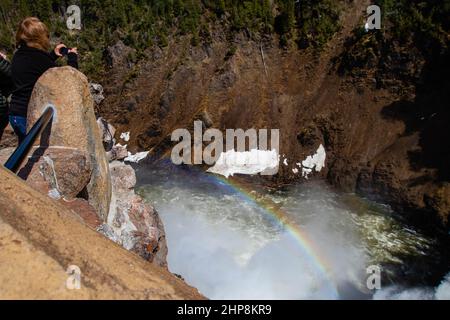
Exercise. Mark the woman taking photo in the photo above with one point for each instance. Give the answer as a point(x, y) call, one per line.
point(30, 61)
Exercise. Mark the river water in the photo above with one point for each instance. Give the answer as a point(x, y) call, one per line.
point(241, 241)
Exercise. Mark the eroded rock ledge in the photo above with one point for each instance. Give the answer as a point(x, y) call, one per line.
point(131, 222)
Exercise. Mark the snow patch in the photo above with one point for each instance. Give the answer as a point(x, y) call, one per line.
point(125, 136)
point(315, 162)
point(249, 162)
point(136, 158)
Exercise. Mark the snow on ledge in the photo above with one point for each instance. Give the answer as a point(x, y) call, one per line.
point(125, 136)
point(249, 162)
point(136, 158)
point(315, 162)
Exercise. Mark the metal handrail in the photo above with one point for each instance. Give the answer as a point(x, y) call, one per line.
point(16, 159)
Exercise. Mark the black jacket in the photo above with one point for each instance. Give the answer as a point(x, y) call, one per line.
point(6, 85)
point(28, 65)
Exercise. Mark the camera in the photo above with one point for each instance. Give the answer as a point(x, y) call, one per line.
point(64, 51)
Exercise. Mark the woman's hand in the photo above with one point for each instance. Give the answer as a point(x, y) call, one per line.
point(73, 50)
point(58, 48)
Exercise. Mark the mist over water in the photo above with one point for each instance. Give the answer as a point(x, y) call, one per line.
point(230, 247)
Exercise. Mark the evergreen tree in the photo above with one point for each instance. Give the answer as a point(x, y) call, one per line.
point(142, 23)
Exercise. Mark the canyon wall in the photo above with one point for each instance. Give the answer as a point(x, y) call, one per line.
point(363, 122)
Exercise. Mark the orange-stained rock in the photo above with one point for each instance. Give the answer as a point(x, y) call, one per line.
point(84, 210)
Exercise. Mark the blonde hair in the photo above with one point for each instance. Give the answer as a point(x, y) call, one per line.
point(33, 33)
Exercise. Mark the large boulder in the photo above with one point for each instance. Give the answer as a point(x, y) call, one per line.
point(74, 128)
point(58, 172)
point(5, 153)
point(44, 246)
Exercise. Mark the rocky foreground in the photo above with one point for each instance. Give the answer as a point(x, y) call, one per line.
point(40, 239)
point(57, 216)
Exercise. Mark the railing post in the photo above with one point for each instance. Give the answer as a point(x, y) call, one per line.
point(15, 161)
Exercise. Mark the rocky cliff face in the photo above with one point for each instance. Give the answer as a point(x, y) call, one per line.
point(131, 222)
point(243, 83)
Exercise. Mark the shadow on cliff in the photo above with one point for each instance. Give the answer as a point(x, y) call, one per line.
point(429, 116)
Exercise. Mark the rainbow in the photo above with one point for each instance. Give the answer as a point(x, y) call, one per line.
point(281, 218)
